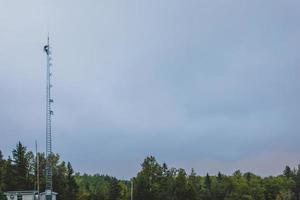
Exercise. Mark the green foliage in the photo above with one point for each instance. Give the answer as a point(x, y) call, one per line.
point(22, 167)
point(288, 172)
point(297, 183)
point(2, 196)
point(155, 181)
point(239, 186)
point(71, 185)
point(101, 187)
point(2, 165)
point(19, 173)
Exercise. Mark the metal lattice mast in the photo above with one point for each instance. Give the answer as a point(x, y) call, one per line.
point(49, 113)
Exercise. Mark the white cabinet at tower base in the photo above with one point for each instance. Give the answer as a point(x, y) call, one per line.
point(22, 195)
point(46, 195)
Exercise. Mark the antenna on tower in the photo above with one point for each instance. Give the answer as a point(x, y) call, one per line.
point(49, 113)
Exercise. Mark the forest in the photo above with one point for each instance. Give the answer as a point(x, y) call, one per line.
point(154, 181)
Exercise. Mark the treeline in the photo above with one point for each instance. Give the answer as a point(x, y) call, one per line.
point(155, 181)
point(158, 182)
point(19, 173)
point(102, 187)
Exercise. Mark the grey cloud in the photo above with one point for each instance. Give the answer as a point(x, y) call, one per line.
point(190, 82)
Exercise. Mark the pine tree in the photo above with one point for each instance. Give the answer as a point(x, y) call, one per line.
point(41, 173)
point(59, 178)
point(192, 186)
point(20, 166)
point(207, 186)
point(147, 186)
point(114, 189)
point(166, 185)
point(208, 182)
point(180, 185)
point(297, 181)
point(72, 187)
point(9, 178)
point(288, 172)
point(2, 161)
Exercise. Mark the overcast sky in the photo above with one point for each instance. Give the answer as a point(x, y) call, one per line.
point(210, 85)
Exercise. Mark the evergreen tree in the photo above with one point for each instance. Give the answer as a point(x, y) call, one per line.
point(2, 172)
point(220, 187)
point(181, 185)
point(2, 162)
point(166, 183)
point(153, 182)
point(20, 166)
point(114, 190)
point(41, 172)
point(193, 186)
point(9, 178)
point(71, 185)
point(208, 182)
point(297, 183)
point(207, 187)
point(147, 180)
point(59, 178)
point(288, 172)
point(30, 176)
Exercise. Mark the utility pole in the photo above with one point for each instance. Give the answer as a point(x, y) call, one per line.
point(37, 170)
point(131, 191)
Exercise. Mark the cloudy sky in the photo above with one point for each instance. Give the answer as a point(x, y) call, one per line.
point(212, 85)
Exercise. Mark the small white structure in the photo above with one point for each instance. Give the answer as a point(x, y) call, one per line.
point(22, 195)
point(43, 196)
point(27, 195)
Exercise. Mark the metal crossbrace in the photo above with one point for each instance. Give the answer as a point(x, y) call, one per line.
point(49, 112)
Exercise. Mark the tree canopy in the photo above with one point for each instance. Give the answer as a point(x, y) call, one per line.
point(154, 181)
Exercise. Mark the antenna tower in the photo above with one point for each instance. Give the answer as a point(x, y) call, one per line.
point(49, 113)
